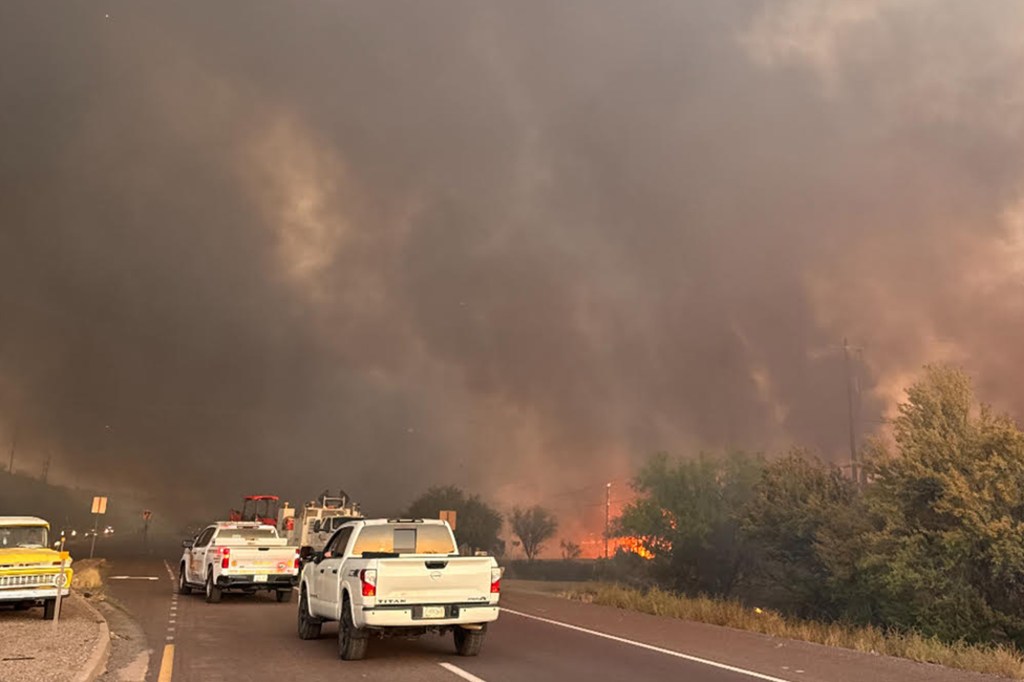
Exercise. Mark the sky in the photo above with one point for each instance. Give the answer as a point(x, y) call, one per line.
point(516, 247)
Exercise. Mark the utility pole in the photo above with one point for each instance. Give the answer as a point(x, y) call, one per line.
point(854, 472)
point(14, 445)
point(607, 516)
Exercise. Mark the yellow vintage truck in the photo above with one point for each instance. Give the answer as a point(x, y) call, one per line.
point(30, 571)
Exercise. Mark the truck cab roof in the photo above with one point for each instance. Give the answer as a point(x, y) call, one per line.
point(425, 522)
point(23, 521)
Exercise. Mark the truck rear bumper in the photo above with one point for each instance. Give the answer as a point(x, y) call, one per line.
point(248, 582)
point(408, 616)
point(31, 594)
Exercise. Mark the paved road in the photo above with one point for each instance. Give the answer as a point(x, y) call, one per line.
point(537, 639)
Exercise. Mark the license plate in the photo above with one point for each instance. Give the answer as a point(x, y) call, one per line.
point(259, 578)
point(433, 612)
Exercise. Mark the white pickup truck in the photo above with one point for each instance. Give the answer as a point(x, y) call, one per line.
point(397, 577)
point(241, 556)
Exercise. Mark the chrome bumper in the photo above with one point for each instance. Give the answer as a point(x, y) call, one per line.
point(391, 617)
point(32, 593)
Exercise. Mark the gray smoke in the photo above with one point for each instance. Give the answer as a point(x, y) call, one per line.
point(261, 246)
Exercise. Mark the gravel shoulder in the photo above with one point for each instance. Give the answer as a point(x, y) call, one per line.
point(129, 652)
point(31, 650)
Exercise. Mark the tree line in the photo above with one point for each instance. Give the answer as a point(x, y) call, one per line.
point(479, 525)
point(932, 541)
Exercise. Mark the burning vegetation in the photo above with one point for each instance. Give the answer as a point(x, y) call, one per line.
point(634, 545)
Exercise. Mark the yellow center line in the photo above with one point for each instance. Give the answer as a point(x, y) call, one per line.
point(167, 664)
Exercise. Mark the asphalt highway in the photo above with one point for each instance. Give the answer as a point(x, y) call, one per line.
point(539, 638)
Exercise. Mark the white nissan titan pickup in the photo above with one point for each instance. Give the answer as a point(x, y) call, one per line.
point(397, 577)
point(240, 556)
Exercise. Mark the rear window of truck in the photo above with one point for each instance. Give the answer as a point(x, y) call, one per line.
point(389, 539)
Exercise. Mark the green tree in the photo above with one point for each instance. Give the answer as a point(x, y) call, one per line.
point(947, 552)
point(476, 524)
point(533, 527)
point(689, 514)
point(801, 516)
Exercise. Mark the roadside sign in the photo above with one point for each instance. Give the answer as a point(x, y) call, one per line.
point(99, 505)
point(449, 516)
point(147, 515)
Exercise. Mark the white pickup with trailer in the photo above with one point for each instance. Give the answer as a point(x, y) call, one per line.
point(397, 577)
point(238, 556)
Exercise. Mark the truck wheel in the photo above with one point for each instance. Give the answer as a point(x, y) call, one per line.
point(49, 608)
point(183, 587)
point(213, 593)
point(284, 596)
point(309, 628)
point(468, 642)
point(351, 640)
point(22, 605)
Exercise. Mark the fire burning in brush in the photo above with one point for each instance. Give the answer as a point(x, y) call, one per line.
point(593, 546)
point(634, 545)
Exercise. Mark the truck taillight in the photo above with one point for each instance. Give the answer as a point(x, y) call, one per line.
point(368, 577)
point(296, 560)
point(495, 580)
point(225, 557)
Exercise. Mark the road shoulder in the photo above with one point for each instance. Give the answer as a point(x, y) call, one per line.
point(783, 658)
point(96, 664)
point(31, 650)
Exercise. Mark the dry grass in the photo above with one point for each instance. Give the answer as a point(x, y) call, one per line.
point(998, 660)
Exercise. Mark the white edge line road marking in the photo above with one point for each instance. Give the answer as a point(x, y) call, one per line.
point(133, 577)
point(455, 670)
point(649, 647)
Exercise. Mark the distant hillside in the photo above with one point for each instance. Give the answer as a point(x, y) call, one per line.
point(24, 496)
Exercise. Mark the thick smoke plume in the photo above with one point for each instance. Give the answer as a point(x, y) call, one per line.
point(517, 246)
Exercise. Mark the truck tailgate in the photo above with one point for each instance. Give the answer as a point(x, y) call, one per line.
point(441, 580)
point(258, 560)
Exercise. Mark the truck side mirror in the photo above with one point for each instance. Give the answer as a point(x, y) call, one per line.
point(306, 553)
point(316, 526)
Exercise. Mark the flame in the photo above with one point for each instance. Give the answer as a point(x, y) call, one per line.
point(635, 545)
point(593, 546)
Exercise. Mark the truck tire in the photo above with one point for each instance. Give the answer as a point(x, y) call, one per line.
point(183, 587)
point(22, 605)
point(309, 627)
point(351, 640)
point(468, 642)
point(49, 608)
point(213, 593)
point(283, 596)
